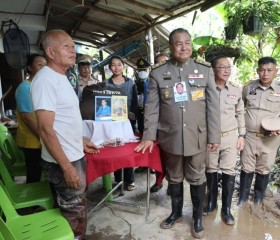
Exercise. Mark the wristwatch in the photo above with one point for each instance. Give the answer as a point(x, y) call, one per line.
point(242, 135)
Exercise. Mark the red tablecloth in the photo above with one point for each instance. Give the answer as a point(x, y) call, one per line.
point(111, 159)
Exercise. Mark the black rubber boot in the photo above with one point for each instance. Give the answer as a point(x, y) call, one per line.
point(197, 195)
point(245, 186)
point(176, 193)
point(227, 192)
point(260, 187)
point(212, 186)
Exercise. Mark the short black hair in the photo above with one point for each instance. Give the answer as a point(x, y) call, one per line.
point(215, 60)
point(178, 30)
point(267, 60)
point(30, 60)
point(115, 57)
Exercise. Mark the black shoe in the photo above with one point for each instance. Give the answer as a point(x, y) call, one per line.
point(156, 187)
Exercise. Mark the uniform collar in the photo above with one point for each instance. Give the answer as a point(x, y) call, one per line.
point(272, 85)
point(85, 79)
point(179, 64)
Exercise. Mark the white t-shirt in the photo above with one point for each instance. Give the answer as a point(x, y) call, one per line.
point(52, 91)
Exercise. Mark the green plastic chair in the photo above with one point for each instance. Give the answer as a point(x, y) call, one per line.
point(11, 154)
point(5, 233)
point(46, 225)
point(25, 195)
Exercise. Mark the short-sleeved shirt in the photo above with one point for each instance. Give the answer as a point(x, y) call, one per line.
point(232, 109)
point(260, 103)
point(52, 91)
point(25, 138)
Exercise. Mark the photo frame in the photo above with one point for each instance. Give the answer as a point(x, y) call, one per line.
point(103, 108)
point(119, 108)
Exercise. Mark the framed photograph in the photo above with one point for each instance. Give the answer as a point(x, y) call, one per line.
point(103, 108)
point(119, 108)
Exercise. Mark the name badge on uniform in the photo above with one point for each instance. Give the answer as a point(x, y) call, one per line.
point(195, 75)
point(197, 94)
point(275, 94)
point(231, 96)
point(180, 92)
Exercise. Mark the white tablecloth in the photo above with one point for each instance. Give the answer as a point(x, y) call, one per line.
point(101, 132)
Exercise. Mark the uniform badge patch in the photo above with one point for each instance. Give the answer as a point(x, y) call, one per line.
point(195, 75)
point(275, 94)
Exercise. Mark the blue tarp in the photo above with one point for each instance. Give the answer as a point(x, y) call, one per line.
point(123, 52)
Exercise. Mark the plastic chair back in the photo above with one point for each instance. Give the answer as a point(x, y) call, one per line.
point(46, 225)
point(5, 233)
point(11, 154)
point(25, 195)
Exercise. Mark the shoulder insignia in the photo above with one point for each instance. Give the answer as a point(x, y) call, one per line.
point(202, 62)
point(234, 84)
point(158, 65)
point(249, 82)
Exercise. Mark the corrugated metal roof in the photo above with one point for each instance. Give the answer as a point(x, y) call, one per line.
point(108, 24)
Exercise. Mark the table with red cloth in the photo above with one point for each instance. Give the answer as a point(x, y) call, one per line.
point(111, 159)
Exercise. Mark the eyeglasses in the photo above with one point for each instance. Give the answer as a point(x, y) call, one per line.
point(224, 68)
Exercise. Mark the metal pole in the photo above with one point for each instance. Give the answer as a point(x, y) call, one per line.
point(151, 46)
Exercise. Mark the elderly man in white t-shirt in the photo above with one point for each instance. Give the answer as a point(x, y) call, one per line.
point(60, 128)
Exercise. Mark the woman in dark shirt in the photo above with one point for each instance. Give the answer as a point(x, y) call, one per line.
point(128, 88)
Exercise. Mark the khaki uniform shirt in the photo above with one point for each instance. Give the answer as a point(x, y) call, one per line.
point(182, 128)
point(232, 109)
point(260, 103)
point(260, 151)
point(86, 82)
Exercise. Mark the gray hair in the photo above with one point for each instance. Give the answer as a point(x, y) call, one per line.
point(46, 39)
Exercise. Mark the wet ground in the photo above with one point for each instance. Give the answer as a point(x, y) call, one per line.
point(113, 221)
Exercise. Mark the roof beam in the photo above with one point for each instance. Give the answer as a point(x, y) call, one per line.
point(109, 12)
point(101, 25)
point(149, 8)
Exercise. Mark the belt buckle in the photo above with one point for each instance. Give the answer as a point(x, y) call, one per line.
point(259, 134)
point(224, 134)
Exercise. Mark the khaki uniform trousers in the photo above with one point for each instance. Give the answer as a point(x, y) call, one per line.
point(225, 157)
point(259, 153)
point(192, 168)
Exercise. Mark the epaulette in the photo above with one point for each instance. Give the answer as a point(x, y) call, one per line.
point(234, 84)
point(158, 65)
point(202, 62)
point(249, 82)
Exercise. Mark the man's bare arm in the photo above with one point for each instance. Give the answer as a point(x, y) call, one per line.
point(45, 121)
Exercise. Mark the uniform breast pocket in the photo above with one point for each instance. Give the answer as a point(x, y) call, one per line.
point(230, 105)
point(166, 93)
point(252, 101)
point(273, 103)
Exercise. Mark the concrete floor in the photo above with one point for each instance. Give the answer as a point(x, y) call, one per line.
point(114, 221)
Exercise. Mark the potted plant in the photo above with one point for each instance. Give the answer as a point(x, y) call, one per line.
point(253, 15)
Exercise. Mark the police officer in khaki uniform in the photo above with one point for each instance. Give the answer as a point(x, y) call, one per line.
point(262, 101)
point(183, 124)
point(225, 158)
point(84, 77)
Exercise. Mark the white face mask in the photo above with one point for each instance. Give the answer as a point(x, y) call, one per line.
point(143, 75)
